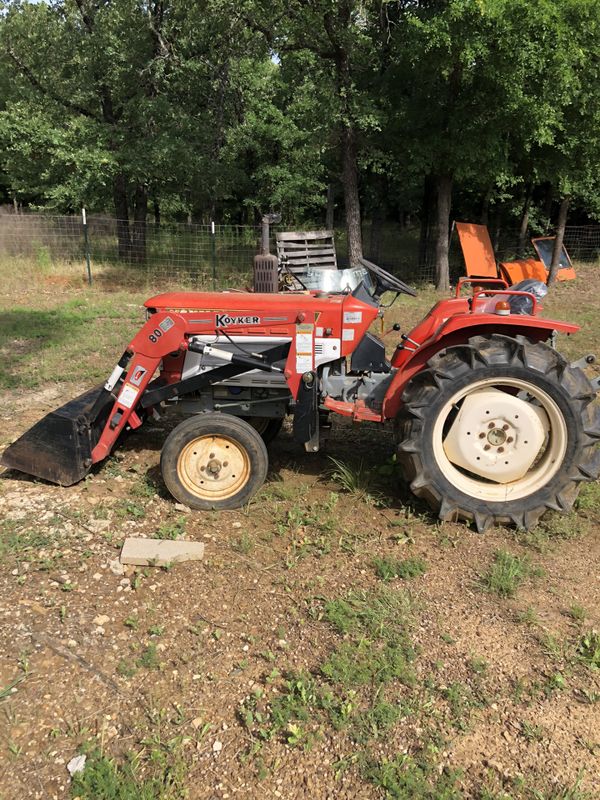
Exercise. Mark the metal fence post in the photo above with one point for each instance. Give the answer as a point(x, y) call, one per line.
point(214, 255)
point(86, 244)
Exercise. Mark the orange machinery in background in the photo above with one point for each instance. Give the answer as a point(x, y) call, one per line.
point(480, 260)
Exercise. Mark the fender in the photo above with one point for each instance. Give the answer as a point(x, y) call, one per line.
point(426, 340)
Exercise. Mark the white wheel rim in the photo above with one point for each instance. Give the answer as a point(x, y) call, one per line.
point(213, 467)
point(477, 457)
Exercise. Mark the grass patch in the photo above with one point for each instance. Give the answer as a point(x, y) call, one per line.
point(16, 542)
point(172, 530)
point(588, 649)
point(359, 481)
point(86, 332)
point(149, 657)
point(105, 779)
point(406, 778)
point(389, 568)
point(376, 650)
point(507, 573)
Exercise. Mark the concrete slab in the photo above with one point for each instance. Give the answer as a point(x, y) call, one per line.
point(158, 552)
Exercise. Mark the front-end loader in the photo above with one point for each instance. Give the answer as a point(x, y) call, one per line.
point(493, 424)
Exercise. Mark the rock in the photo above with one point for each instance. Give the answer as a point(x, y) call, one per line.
point(76, 764)
point(236, 524)
point(184, 509)
point(115, 566)
point(158, 552)
point(101, 619)
point(217, 746)
point(98, 525)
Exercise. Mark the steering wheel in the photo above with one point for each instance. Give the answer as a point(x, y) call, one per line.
point(386, 281)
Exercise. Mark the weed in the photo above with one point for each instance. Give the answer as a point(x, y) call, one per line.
point(478, 665)
point(460, 700)
point(552, 528)
point(528, 617)
point(589, 497)
point(132, 622)
point(553, 683)
point(507, 573)
point(243, 544)
point(577, 612)
point(530, 732)
point(14, 749)
point(105, 778)
point(448, 638)
point(366, 662)
point(132, 509)
point(588, 649)
point(587, 696)
point(172, 530)
point(149, 657)
point(357, 481)
point(144, 488)
point(8, 690)
point(555, 647)
point(126, 669)
point(405, 778)
point(562, 792)
point(371, 724)
point(156, 630)
point(17, 543)
point(388, 568)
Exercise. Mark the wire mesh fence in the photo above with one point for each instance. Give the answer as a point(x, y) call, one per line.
point(219, 256)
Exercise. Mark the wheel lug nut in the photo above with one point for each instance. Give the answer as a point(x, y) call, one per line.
point(505, 427)
point(510, 439)
point(225, 463)
point(482, 435)
point(500, 449)
point(486, 447)
point(212, 455)
point(491, 425)
point(202, 469)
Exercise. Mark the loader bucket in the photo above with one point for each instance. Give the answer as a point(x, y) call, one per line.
point(59, 447)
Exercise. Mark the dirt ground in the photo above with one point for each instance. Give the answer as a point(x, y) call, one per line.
point(245, 675)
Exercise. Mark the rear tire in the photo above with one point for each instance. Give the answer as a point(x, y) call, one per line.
point(214, 461)
point(542, 439)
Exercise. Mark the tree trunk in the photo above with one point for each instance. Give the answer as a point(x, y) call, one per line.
point(426, 246)
point(156, 209)
point(484, 213)
point(548, 200)
point(524, 225)
point(351, 197)
point(444, 200)
point(122, 215)
point(558, 242)
point(140, 213)
point(330, 210)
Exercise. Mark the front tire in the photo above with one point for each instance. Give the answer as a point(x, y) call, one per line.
point(214, 461)
point(498, 431)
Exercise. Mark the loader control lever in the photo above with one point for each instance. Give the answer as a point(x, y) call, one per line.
point(254, 362)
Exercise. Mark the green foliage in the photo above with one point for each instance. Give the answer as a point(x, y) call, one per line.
point(357, 480)
point(388, 568)
point(406, 778)
point(588, 649)
point(507, 573)
point(108, 779)
point(173, 529)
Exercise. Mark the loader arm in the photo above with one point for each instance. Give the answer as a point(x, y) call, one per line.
point(63, 446)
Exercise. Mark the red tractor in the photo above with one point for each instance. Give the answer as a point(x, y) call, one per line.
point(493, 424)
